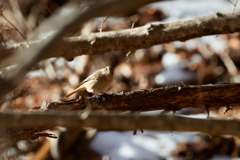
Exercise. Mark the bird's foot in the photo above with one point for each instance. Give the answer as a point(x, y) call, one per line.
point(106, 96)
point(98, 99)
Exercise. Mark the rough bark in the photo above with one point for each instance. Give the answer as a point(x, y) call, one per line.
point(170, 98)
point(143, 37)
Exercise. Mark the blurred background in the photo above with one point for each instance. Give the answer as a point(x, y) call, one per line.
point(211, 59)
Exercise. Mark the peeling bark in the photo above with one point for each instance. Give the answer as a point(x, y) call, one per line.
point(170, 98)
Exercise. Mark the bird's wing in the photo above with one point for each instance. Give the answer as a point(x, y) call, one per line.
point(93, 76)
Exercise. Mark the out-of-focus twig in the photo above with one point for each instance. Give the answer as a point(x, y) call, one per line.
point(17, 14)
point(5, 18)
point(234, 4)
point(104, 19)
point(231, 67)
point(129, 52)
point(46, 7)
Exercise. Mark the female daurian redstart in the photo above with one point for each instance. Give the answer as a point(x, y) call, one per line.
point(99, 81)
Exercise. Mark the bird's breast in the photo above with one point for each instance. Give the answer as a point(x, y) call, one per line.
point(102, 83)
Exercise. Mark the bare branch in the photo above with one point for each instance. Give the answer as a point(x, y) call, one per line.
point(143, 37)
point(170, 98)
point(111, 121)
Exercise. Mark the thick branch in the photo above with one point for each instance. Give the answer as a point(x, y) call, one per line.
point(143, 37)
point(170, 98)
point(115, 121)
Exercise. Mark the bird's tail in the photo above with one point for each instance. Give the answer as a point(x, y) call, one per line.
point(80, 88)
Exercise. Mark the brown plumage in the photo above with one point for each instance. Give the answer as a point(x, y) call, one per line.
point(99, 81)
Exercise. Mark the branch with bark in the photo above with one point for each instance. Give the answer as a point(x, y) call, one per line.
point(108, 121)
point(142, 37)
point(170, 98)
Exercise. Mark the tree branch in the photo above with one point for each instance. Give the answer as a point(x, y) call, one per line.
point(143, 37)
point(170, 98)
point(111, 121)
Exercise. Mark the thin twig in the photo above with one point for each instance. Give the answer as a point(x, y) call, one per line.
point(234, 4)
point(100, 29)
point(231, 67)
point(5, 18)
point(128, 54)
point(230, 2)
point(46, 7)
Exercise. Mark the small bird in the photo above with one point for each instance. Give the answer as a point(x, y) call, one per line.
point(97, 82)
